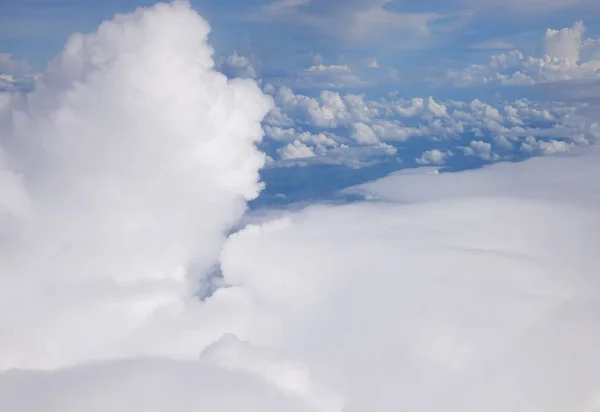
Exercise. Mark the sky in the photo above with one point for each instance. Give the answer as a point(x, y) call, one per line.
point(299, 205)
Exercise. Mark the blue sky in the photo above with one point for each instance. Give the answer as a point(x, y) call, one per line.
point(408, 36)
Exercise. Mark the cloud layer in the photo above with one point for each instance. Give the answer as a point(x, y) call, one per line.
point(468, 291)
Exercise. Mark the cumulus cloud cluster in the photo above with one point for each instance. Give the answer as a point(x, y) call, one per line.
point(317, 129)
point(123, 172)
point(568, 55)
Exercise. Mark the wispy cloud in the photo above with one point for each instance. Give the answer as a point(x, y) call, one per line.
point(357, 20)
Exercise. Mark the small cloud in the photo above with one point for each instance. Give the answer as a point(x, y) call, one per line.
point(10, 66)
point(237, 65)
point(331, 76)
point(374, 64)
point(295, 150)
point(433, 157)
point(328, 69)
point(482, 150)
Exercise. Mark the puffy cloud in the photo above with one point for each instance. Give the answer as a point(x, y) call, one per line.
point(551, 147)
point(418, 106)
point(296, 150)
point(394, 131)
point(363, 134)
point(482, 150)
point(120, 175)
point(357, 120)
point(565, 44)
point(433, 157)
point(236, 65)
point(328, 111)
point(567, 57)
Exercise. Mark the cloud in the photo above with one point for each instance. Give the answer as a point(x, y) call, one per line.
point(15, 74)
point(236, 65)
point(445, 284)
point(120, 175)
point(354, 120)
point(296, 150)
point(329, 77)
point(123, 171)
point(482, 150)
point(433, 157)
point(152, 385)
point(552, 147)
point(565, 44)
point(327, 69)
point(355, 21)
point(567, 56)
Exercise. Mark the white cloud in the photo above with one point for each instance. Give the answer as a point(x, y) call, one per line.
point(567, 57)
point(304, 144)
point(128, 164)
point(565, 44)
point(363, 134)
point(354, 21)
point(449, 284)
point(355, 119)
point(551, 147)
point(433, 157)
point(503, 142)
point(418, 106)
point(328, 69)
point(328, 111)
point(329, 77)
point(482, 150)
point(236, 65)
point(394, 131)
point(119, 177)
point(296, 150)
point(157, 385)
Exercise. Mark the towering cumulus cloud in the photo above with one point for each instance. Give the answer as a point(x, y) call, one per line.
point(119, 177)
